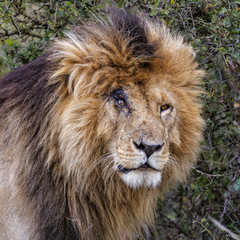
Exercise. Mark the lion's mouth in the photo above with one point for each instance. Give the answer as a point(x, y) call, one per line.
point(143, 167)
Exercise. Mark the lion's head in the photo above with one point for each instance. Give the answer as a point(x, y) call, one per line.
point(134, 108)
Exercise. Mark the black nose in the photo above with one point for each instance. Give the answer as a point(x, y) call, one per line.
point(148, 149)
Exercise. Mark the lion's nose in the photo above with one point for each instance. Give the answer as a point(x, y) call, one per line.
point(148, 149)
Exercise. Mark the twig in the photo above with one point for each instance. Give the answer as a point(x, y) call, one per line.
point(15, 25)
point(55, 15)
point(205, 229)
point(185, 216)
point(177, 227)
point(210, 5)
point(194, 27)
point(223, 228)
point(228, 198)
point(207, 174)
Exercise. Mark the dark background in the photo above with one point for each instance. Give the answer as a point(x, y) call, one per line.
point(208, 206)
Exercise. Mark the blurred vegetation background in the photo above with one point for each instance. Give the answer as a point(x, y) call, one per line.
point(208, 206)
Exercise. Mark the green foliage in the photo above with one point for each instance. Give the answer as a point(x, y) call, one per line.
point(213, 28)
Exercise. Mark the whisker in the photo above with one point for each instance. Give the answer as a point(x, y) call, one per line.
point(130, 154)
point(102, 160)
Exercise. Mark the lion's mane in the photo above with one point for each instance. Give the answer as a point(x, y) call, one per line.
point(54, 132)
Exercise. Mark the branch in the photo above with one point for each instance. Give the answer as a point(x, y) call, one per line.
point(209, 175)
point(223, 228)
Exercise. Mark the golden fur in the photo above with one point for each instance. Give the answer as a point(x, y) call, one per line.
point(97, 129)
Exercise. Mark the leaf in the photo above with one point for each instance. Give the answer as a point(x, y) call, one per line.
point(9, 41)
point(68, 3)
point(236, 185)
point(227, 22)
point(203, 220)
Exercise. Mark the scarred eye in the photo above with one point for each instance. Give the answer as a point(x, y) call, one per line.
point(164, 107)
point(119, 98)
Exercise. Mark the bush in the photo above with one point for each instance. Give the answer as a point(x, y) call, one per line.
point(208, 207)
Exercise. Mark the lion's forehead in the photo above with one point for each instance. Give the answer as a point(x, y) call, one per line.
point(151, 93)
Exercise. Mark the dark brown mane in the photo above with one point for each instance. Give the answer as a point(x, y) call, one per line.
point(133, 27)
point(26, 90)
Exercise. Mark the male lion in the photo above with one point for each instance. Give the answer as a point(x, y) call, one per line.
point(95, 130)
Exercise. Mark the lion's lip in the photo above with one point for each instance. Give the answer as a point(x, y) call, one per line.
point(145, 166)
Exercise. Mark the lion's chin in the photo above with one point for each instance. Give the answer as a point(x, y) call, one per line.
point(147, 179)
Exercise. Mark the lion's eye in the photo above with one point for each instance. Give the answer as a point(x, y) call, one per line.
point(164, 107)
point(119, 97)
point(120, 102)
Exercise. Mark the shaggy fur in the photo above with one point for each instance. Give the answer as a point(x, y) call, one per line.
point(94, 131)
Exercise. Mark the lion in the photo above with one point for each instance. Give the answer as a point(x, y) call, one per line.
point(97, 129)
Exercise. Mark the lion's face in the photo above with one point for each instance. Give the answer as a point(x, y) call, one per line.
point(145, 116)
